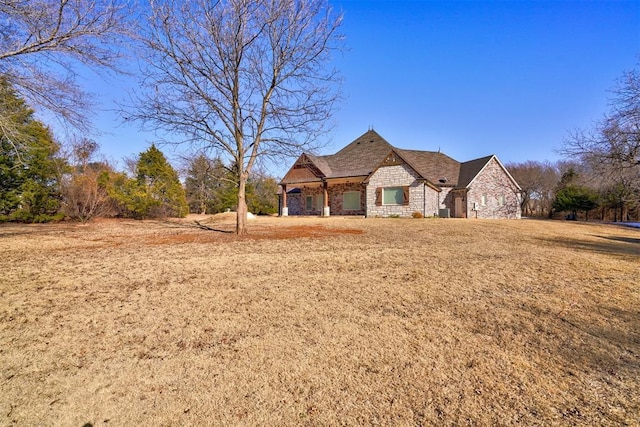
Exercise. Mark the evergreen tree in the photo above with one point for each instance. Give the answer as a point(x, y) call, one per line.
point(573, 197)
point(29, 169)
point(262, 196)
point(156, 190)
point(211, 187)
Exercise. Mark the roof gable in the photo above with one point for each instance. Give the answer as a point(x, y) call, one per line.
point(435, 167)
point(304, 169)
point(470, 170)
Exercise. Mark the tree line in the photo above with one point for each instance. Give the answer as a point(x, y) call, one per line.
point(44, 182)
point(248, 80)
point(601, 176)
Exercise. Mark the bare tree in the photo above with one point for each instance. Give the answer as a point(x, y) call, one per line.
point(615, 140)
point(538, 181)
point(84, 195)
point(611, 150)
point(41, 41)
point(247, 78)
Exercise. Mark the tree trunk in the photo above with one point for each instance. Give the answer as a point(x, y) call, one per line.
point(241, 217)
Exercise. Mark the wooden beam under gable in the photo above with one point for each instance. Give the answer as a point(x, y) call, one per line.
point(303, 170)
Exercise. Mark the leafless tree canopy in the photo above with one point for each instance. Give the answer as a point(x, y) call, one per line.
point(42, 40)
point(538, 181)
point(614, 143)
point(611, 150)
point(248, 78)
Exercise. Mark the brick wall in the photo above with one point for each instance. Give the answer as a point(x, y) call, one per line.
point(315, 193)
point(336, 198)
point(294, 204)
point(297, 202)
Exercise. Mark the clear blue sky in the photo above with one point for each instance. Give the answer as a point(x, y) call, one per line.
point(470, 78)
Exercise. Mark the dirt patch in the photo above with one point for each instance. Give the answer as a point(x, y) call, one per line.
point(257, 233)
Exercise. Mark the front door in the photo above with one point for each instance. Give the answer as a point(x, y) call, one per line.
point(458, 211)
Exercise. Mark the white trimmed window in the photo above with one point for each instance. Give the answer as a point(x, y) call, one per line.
point(483, 200)
point(351, 200)
point(501, 200)
point(309, 203)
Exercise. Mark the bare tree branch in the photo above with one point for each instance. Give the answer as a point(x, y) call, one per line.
point(41, 42)
point(250, 79)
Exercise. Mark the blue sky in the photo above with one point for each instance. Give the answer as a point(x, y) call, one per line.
point(470, 78)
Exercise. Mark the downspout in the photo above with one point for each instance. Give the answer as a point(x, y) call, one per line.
point(424, 200)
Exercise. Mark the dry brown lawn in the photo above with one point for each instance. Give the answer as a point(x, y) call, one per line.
point(314, 321)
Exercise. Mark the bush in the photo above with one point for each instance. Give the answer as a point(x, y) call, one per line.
point(28, 217)
point(417, 214)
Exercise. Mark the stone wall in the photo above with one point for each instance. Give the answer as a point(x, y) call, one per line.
point(501, 196)
point(294, 203)
point(315, 193)
point(396, 176)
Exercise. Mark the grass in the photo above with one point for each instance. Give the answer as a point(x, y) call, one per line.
point(313, 321)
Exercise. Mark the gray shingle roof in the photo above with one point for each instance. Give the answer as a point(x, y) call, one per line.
point(359, 158)
point(470, 169)
point(434, 166)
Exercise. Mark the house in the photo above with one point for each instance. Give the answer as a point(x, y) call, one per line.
point(370, 177)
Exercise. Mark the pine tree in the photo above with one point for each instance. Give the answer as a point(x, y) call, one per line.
point(156, 190)
point(29, 169)
point(570, 196)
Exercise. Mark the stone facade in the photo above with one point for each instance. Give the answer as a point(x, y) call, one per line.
point(315, 194)
point(294, 203)
point(395, 176)
point(446, 201)
point(493, 195)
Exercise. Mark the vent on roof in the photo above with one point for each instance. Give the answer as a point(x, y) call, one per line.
point(442, 180)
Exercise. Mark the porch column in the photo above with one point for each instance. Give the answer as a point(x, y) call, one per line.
point(285, 209)
point(326, 209)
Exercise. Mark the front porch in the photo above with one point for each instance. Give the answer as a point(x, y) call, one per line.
point(324, 199)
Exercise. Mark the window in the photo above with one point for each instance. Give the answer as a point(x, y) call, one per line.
point(351, 201)
point(483, 200)
point(501, 200)
point(309, 203)
point(320, 202)
point(392, 196)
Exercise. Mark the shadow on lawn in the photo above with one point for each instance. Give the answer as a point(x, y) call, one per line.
point(606, 244)
point(196, 224)
point(609, 349)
